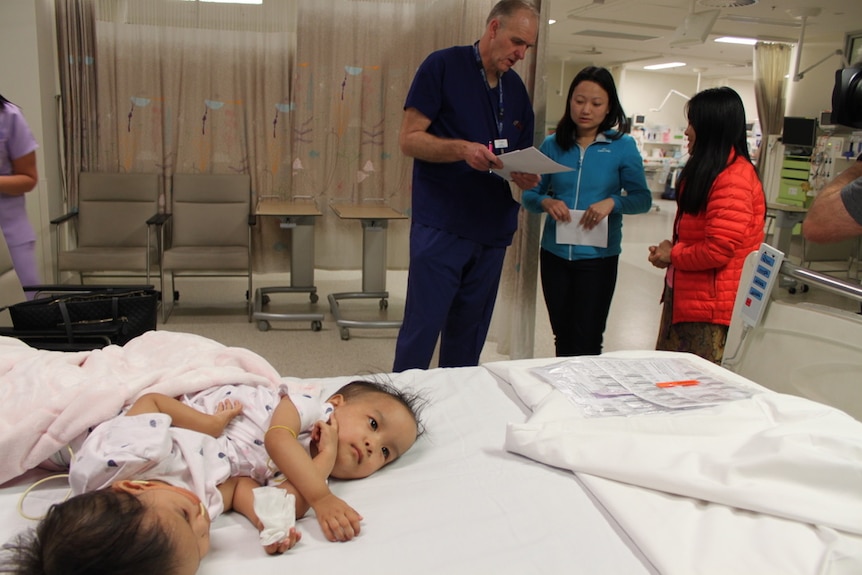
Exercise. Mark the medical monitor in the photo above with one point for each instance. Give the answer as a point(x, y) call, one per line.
point(799, 132)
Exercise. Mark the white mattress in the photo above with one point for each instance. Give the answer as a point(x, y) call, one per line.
point(463, 501)
point(456, 503)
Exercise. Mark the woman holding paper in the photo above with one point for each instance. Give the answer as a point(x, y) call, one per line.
point(585, 207)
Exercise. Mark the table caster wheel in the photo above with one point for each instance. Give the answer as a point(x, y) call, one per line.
point(345, 334)
point(264, 299)
point(263, 325)
point(316, 325)
point(384, 303)
point(313, 297)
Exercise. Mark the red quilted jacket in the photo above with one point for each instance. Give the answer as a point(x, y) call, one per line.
point(710, 247)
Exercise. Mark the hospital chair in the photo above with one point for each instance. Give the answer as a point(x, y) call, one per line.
point(207, 232)
point(109, 231)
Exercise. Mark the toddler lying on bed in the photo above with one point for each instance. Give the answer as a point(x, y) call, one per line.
point(152, 480)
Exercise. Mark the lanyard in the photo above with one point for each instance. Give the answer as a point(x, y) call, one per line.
point(488, 87)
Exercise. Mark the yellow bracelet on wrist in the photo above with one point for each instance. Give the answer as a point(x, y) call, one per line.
point(292, 432)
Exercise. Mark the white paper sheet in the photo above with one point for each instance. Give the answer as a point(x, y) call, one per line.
point(529, 161)
point(575, 234)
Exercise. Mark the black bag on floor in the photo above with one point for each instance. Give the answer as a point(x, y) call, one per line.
point(76, 318)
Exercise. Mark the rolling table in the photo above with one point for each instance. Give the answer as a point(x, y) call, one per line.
point(375, 220)
point(299, 218)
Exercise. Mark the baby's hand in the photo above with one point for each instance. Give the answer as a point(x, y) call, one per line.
point(339, 521)
point(226, 410)
point(285, 544)
point(325, 435)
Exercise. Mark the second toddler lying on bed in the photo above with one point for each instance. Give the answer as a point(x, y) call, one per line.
point(172, 466)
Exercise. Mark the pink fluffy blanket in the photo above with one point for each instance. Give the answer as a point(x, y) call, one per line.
point(48, 398)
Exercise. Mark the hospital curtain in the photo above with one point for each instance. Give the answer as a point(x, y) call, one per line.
point(771, 66)
point(305, 96)
point(76, 43)
point(355, 62)
point(513, 326)
point(193, 87)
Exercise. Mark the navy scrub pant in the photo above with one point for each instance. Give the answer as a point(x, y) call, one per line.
point(451, 289)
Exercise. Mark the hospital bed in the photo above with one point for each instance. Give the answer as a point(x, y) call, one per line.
point(806, 349)
point(511, 477)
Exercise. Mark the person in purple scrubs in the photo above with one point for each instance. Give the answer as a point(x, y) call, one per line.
point(18, 175)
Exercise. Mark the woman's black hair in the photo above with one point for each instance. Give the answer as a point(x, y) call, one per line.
point(3, 102)
point(97, 533)
point(567, 130)
point(414, 402)
point(717, 116)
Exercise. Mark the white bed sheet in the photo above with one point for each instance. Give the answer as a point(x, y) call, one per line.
point(688, 535)
point(457, 502)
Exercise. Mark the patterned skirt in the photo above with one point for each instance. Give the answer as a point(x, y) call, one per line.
point(700, 338)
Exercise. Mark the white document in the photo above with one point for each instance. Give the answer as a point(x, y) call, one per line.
point(575, 234)
point(614, 386)
point(529, 161)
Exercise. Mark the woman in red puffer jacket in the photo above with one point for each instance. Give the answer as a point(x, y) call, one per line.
point(720, 215)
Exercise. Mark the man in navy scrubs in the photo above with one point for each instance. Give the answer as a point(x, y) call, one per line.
point(464, 108)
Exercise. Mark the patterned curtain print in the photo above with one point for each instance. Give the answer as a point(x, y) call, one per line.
point(306, 96)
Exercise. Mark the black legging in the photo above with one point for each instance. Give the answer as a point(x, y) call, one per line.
point(578, 295)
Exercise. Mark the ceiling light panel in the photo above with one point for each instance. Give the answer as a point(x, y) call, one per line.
point(736, 40)
point(664, 66)
point(614, 35)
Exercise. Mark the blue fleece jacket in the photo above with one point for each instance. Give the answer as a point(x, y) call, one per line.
point(603, 170)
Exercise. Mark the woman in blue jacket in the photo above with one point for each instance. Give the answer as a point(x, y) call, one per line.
point(579, 270)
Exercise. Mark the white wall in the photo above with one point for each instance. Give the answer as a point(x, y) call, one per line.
point(813, 93)
point(28, 78)
point(642, 90)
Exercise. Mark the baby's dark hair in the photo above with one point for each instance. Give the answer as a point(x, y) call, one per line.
point(96, 533)
point(413, 401)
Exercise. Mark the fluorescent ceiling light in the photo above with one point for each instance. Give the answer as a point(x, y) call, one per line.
point(665, 65)
point(737, 40)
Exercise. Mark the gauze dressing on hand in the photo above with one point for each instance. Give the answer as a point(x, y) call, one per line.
point(276, 509)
